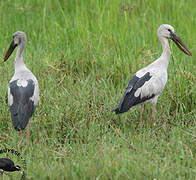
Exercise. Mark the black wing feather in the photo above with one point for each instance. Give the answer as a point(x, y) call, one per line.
point(129, 100)
point(23, 107)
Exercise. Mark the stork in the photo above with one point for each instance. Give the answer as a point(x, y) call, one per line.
point(147, 83)
point(23, 90)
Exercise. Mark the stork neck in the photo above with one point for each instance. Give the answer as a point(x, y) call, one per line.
point(19, 63)
point(165, 56)
point(165, 46)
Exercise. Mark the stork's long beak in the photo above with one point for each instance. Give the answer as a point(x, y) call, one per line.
point(180, 44)
point(10, 50)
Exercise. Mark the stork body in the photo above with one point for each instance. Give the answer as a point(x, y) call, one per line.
point(23, 90)
point(147, 84)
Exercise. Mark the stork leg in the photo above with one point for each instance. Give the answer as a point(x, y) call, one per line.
point(27, 133)
point(20, 134)
point(141, 112)
point(152, 116)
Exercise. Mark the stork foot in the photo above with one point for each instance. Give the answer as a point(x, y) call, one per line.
point(151, 121)
point(141, 112)
point(27, 133)
point(152, 117)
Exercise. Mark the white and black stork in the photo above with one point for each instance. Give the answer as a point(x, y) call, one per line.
point(23, 90)
point(147, 83)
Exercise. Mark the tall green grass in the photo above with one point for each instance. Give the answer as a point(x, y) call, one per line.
point(83, 53)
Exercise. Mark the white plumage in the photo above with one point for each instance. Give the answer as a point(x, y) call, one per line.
point(23, 90)
point(147, 84)
point(22, 77)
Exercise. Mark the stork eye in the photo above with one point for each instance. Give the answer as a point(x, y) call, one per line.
point(169, 30)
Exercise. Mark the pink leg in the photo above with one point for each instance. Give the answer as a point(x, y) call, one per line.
point(27, 133)
point(20, 134)
point(141, 112)
point(152, 117)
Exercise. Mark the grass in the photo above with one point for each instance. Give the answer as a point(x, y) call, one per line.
point(83, 54)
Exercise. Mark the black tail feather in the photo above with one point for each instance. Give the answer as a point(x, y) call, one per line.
point(119, 110)
point(116, 110)
point(21, 114)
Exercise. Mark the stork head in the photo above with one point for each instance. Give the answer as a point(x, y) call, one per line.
point(167, 31)
point(19, 37)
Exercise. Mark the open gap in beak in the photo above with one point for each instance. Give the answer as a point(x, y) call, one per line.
point(180, 44)
point(10, 50)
